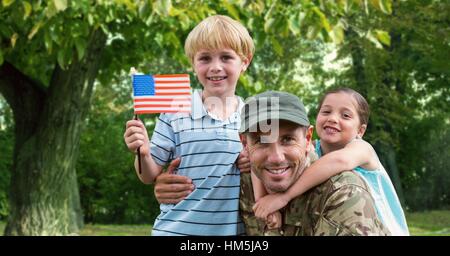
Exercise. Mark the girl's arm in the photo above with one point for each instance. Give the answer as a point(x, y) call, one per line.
point(258, 188)
point(354, 154)
point(273, 219)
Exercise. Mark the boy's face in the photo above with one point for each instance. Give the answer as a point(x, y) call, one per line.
point(219, 70)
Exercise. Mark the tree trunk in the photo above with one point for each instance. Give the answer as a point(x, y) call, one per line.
point(44, 197)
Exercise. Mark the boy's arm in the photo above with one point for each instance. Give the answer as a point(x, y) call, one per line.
point(136, 136)
point(149, 169)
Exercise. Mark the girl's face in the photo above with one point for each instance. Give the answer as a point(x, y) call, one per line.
point(338, 121)
point(219, 70)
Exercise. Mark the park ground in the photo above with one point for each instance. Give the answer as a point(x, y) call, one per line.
point(429, 223)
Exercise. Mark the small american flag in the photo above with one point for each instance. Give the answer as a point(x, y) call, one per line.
point(161, 93)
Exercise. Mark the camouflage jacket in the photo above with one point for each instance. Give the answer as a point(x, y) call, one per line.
point(340, 206)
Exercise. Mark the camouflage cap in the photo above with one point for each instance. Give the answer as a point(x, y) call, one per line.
point(272, 105)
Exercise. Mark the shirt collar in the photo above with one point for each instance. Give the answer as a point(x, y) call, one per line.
point(199, 111)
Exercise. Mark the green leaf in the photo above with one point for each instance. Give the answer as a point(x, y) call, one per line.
point(383, 37)
point(34, 30)
point(50, 10)
point(81, 47)
point(90, 19)
point(60, 5)
point(372, 38)
point(7, 3)
point(278, 48)
point(312, 32)
point(48, 41)
point(14, 39)
point(386, 6)
point(232, 11)
point(337, 34)
point(258, 86)
point(268, 24)
point(144, 9)
point(162, 7)
point(27, 9)
point(270, 11)
point(294, 24)
point(60, 58)
point(323, 19)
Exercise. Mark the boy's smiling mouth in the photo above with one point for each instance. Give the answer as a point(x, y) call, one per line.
point(216, 78)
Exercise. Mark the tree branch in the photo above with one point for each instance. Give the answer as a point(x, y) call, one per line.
point(25, 97)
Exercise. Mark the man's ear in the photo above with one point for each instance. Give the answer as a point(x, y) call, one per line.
point(243, 138)
point(308, 137)
point(309, 134)
point(362, 130)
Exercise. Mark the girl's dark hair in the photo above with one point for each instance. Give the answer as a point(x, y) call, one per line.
point(363, 106)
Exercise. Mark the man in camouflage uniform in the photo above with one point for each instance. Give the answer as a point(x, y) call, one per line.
point(340, 206)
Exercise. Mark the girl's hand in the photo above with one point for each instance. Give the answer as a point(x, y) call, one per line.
point(274, 220)
point(269, 204)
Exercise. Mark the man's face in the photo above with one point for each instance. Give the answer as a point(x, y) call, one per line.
point(278, 164)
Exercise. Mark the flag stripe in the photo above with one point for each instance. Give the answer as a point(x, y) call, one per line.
point(172, 75)
point(175, 104)
point(166, 90)
point(173, 93)
point(176, 97)
point(173, 88)
point(164, 81)
point(160, 105)
point(140, 101)
point(161, 110)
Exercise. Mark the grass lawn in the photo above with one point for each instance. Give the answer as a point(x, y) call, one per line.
point(430, 223)
point(116, 230)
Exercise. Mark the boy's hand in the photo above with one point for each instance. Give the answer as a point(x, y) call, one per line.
point(171, 188)
point(135, 136)
point(243, 163)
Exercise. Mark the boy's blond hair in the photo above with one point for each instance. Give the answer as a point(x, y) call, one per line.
point(217, 32)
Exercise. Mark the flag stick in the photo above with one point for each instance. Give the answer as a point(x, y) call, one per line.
point(138, 150)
